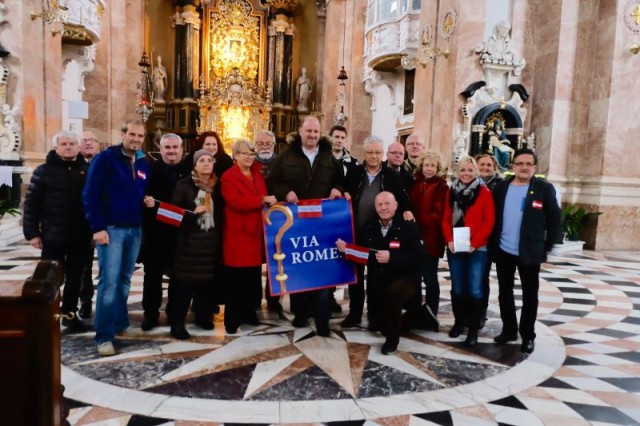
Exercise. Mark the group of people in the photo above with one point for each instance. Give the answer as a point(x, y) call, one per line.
point(405, 213)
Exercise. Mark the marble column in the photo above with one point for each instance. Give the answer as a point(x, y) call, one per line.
point(281, 34)
point(186, 22)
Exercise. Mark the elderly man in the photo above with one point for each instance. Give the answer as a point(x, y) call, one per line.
point(89, 145)
point(394, 264)
point(527, 226)
point(54, 220)
point(395, 161)
point(363, 184)
point(306, 170)
point(415, 148)
point(112, 200)
point(159, 238)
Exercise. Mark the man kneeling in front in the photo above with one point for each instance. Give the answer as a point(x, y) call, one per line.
point(393, 267)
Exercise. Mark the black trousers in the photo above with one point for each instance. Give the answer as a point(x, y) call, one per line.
point(357, 293)
point(315, 302)
point(73, 260)
point(155, 266)
point(181, 294)
point(385, 304)
point(86, 282)
point(506, 265)
point(244, 285)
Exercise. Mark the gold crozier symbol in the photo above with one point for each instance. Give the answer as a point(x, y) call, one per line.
point(279, 256)
point(635, 14)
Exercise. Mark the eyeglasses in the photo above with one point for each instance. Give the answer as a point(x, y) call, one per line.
point(522, 163)
point(89, 140)
point(374, 152)
point(395, 153)
point(248, 154)
point(414, 144)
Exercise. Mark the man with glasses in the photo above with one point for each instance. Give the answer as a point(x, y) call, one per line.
point(364, 183)
point(527, 226)
point(415, 148)
point(395, 160)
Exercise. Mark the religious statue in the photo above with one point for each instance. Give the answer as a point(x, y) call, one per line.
point(303, 90)
point(159, 81)
point(9, 117)
point(499, 49)
point(499, 145)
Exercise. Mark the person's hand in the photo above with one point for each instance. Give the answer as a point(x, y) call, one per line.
point(383, 256)
point(101, 238)
point(199, 210)
point(408, 216)
point(334, 194)
point(451, 247)
point(291, 197)
point(149, 201)
point(347, 195)
point(36, 242)
point(269, 200)
point(341, 245)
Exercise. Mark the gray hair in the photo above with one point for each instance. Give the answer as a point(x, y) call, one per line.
point(168, 136)
point(239, 144)
point(416, 136)
point(268, 133)
point(66, 135)
point(373, 139)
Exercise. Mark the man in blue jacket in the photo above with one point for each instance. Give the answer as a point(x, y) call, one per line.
point(112, 200)
point(527, 226)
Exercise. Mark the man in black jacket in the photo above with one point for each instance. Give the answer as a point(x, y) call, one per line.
point(54, 219)
point(159, 239)
point(526, 228)
point(308, 170)
point(363, 183)
point(394, 266)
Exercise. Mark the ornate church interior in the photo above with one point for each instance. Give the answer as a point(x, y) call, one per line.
point(558, 77)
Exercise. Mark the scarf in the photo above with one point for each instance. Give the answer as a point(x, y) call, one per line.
point(491, 181)
point(462, 197)
point(203, 198)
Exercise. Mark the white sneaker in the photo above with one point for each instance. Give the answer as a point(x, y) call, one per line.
point(106, 349)
point(131, 332)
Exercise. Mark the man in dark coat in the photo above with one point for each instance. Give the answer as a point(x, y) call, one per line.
point(158, 238)
point(393, 268)
point(307, 170)
point(54, 219)
point(363, 183)
point(527, 226)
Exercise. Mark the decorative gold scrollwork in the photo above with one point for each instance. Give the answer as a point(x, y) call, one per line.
point(279, 256)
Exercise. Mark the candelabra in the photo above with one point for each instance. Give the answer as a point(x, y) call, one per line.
point(53, 12)
point(144, 89)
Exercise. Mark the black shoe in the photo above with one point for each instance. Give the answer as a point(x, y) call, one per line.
point(299, 322)
point(204, 323)
point(527, 346)
point(472, 338)
point(149, 323)
point(85, 310)
point(74, 325)
point(503, 338)
point(179, 332)
point(336, 308)
point(253, 320)
point(456, 330)
point(274, 307)
point(230, 329)
point(374, 326)
point(351, 321)
point(390, 346)
point(432, 323)
point(483, 322)
point(323, 330)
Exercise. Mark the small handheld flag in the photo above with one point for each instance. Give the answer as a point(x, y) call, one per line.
point(310, 209)
point(356, 254)
point(170, 214)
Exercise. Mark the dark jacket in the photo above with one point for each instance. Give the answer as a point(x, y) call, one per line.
point(348, 161)
point(541, 224)
point(389, 181)
point(162, 181)
point(406, 178)
point(115, 188)
point(292, 172)
point(53, 204)
point(405, 261)
point(197, 255)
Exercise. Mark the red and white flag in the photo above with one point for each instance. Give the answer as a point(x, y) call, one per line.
point(310, 209)
point(356, 253)
point(170, 214)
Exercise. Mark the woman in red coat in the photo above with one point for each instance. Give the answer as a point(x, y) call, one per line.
point(469, 204)
point(427, 196)
point(244, 192)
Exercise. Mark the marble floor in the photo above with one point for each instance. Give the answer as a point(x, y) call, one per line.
point(585, 369)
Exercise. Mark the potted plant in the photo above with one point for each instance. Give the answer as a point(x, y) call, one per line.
point(573, 219)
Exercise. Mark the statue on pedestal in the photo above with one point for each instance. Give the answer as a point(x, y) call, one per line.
point(160, 80)
point(303, 90)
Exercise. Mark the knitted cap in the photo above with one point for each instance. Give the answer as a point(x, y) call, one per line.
point(199, 153)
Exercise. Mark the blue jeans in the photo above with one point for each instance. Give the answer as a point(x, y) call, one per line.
point(467, 271)
point(117, 261)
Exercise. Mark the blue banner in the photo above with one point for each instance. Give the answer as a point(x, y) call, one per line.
point(300, 242)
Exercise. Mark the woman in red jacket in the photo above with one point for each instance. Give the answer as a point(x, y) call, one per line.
point(427, 195)
point(469, 204)
point(244, 192)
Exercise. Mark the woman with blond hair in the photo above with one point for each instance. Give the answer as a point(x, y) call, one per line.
point(469, 205)
point(427, 195)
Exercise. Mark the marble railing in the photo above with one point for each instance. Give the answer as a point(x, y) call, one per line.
point(393, 37)
point(86, 14)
